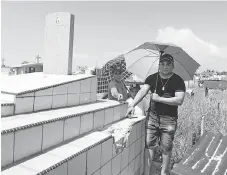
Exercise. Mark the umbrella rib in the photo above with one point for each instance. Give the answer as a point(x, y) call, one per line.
point(151, 51)
point(151, 67)
point(138, 60)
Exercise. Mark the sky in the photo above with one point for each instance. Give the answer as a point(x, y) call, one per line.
point(104, 30)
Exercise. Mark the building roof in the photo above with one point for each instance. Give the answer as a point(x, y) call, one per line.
point(27, 64)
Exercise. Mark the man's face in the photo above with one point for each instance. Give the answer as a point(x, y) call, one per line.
point(117, 75)
point(166, 67)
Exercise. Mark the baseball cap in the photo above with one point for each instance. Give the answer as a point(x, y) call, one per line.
point(166, 57)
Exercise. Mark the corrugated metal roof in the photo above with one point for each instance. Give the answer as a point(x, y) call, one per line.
point(207, 157)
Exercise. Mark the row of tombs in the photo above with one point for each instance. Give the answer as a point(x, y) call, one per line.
point(55, 125)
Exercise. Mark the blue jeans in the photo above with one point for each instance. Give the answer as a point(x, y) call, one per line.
point(160, 131)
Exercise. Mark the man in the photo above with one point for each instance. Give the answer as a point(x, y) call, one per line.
point(141, 107)
point(168, 91)
point(116, 89)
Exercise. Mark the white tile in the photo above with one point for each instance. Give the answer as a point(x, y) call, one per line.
point(61, 89)
point(123, 108)
point(107, 151)
point(85, 98)
point(60, 170)
point(132, 135)
point(124, 158)
point(85, 85)
point(131, 167)
point(7, 110)
point(138, 146)
point(44, 92)
point(117, 113)
point(18, 170)
point(74, 87)
point(32, 94)
point(125, 171)
point(77, 165)
point(7, 144)
point(59, 101)
point(86, 123)
point(94, 84)
point(99, 118)
point(41, 162)
point(108, 115)
point(93, 159)
point(71, 127)
point(93, 97)
point(24, 105)
point(106, 169)
point(132, 149)
point(33, 136)
point(139, 130)
point(43, 102)
point(97, 172)
point(143, 142)
point(73, 100)
point(137, 163)
point(52, 134)
point(116, 165)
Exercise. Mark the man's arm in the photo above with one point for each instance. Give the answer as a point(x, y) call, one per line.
point(140, 95)
point(173, 101)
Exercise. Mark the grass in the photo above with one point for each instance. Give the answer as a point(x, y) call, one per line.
point(214, 110)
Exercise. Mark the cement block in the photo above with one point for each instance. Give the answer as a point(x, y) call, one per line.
point(7, 110)
point(117, 113)
point(116, 165)
point(7, 146)
point(61, 89)
point(124, 158)
point(109, 112)
point(74, 87)
point(59, 101)
point(73, 99)
point(24, 105)
point(86, 122)
point(106, 169)
point(27, 142)
point(43, 102)
point(93, 159)
point(99, 118)
point(44, 92)
point(52, 134)
point(85, 98)
point(77, 165)
point(107, 151)
point(71, 127)
point(85, 85)
point(94, 85)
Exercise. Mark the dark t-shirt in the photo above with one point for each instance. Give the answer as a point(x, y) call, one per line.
point(175, 84)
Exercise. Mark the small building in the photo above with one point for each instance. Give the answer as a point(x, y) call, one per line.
point(27, 68)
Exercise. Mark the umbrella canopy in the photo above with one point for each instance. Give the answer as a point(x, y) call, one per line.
point(143, 60)
point(104, 75)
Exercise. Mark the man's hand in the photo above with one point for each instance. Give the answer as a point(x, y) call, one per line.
point(119, 97)
point(155, 97)
point(130, 111)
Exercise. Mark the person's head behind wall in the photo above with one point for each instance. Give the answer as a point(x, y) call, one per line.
point(117, 71)
point(166, 64)
point(134, 89)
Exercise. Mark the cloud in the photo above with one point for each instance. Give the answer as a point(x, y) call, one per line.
point(207, 54)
